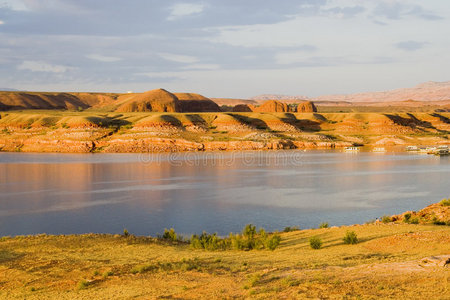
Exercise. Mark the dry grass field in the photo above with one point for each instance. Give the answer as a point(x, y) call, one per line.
point(390, 261)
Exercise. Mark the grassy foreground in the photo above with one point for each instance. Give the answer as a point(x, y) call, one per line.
point(401, 261)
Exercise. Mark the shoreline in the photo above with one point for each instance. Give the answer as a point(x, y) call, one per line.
point(91, 132)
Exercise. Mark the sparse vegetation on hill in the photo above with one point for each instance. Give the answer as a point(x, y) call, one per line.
point(90, 131)
point(401, 261)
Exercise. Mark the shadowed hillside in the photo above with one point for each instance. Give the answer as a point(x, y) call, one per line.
point(91, 131)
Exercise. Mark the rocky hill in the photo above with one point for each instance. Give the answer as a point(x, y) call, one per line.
point(191, 102)
point(428, 91)
point(43, 100)
point(158, 100)
point(90, 131)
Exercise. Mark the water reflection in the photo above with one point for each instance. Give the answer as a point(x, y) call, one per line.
point(61, 193)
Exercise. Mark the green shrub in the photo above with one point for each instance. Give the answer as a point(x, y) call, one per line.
point(414, 221)
point(386, 219)
point(249, 239)
point(289, 229)
point(407, 217)
point(208, 241)
point(143, 269)
point(107, 274)
point(436, 221)
point(315, 242)
point(272, 242)
point(445, 202)
point(82, 285)
point(249, 231)
point(170, 235)
point(323, 225)
point(126, 233)
point(350, 238)
point(254, 279)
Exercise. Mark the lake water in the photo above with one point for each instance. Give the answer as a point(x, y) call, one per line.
point(216, 192)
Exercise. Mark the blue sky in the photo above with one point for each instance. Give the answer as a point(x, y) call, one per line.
point(223, 48)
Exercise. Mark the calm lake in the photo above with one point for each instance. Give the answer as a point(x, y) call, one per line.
point(216, 192)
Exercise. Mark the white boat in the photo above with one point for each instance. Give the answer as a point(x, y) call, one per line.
point(441, 151)
point(379, 149)
point(351, 149)
point(412, 148)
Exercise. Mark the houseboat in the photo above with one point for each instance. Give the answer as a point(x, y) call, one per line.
point(351, 149)
point(379, 149)
point(412, 148)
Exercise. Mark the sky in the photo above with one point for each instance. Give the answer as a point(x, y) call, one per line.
point(223, 48)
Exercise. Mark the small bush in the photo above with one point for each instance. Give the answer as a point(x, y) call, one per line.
point(126, 233)
point(323, 225)
point(350, 238)
point(144, 269)
point(107, 274)
point(386, 219)
point(289, 229)
point(315, 242)
point(170, 235)
point(414, 221)
point(445, 202)
point(249, 239)
point(254, 279)
point(82, 285)
point(273, 242)
point(407, 217)
point(436, 221)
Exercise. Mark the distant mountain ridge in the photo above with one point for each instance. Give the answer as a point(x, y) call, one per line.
point(428, 91)
point(278, 97)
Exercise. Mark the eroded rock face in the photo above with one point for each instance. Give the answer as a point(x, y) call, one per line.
point(158, 100)
point(272, 106)
point(243, 108)
point(307, 106)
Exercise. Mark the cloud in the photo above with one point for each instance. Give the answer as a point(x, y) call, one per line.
point(201, 67)
point(163, 76)
point(41, 66)
point(178, 58)
point(17, 5)
point(1, 22)
point(103, 58)
point(184, 9)
point(345, 12)
point(300, 55)
point(410, 45)
point(396, 10)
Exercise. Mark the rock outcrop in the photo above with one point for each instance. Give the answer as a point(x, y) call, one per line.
point(273, 106)
point(190, 102)
point(307, 106)
point(158, 100)
point(244, 108)
point(437, 213)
